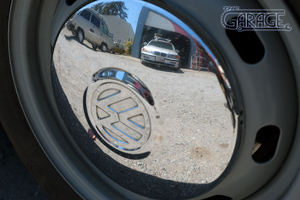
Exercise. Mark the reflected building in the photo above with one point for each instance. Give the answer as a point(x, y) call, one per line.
point(152, 24)
point(121, 29)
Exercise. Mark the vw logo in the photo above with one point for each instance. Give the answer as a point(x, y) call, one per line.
point(118, 115)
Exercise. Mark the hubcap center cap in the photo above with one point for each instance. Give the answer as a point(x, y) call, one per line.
point(118, 115)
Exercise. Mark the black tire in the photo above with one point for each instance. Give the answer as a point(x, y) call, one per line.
point(74, 32)
point(179, 66)
point(17, 129)
point(94, 46)
point(28, 144)
point(70, 26)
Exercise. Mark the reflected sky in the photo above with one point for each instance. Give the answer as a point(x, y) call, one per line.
point(133, 11)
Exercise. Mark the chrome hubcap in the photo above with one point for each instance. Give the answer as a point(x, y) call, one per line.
point(183, 131)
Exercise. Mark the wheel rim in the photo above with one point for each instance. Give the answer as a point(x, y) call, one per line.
point(80, 36)
point(35, 126)
point(104, 48)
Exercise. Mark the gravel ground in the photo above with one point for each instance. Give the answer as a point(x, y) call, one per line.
point(192, 137)
point(15, 180)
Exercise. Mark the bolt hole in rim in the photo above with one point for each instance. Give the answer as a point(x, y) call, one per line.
point(248, 45)
point(81, 184)
point(265, 144)
point(70, 2)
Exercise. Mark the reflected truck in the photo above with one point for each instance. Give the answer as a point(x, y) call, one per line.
point(91, 26)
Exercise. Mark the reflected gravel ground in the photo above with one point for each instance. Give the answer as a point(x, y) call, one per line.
point(15, 180)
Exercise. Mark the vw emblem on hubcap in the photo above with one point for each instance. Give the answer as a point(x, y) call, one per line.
point(118, 115)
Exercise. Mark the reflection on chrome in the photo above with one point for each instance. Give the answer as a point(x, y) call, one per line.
point(127, 78)
point(116, 113)
point(170, 143)
point(162, 52)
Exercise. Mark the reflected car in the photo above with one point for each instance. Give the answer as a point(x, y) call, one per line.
point(91, 26)
point(161, 52)
point(117, 48)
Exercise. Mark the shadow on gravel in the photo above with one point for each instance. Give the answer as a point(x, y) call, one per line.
point(69, 38)
point(163, 68)
point(138, 182)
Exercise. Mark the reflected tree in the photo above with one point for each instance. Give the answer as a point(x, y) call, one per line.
point(112, 8)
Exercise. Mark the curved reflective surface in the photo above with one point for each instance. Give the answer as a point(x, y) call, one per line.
point(128, 79)
point(144, 98)
point(117, 114)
